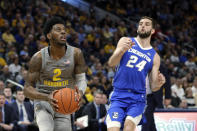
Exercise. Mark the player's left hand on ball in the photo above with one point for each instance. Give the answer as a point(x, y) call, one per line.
point(78, 96)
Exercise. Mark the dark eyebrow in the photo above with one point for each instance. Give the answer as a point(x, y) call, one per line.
point(148, 22)
point(59, 28)
point(56, 27)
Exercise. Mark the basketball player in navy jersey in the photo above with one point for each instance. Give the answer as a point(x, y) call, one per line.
point(134, 58)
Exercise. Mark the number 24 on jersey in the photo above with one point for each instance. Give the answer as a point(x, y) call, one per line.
point(132, 63)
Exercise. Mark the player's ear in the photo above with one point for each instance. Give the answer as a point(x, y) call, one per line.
point(152, 31)
point(49, 36)
point(137, 31)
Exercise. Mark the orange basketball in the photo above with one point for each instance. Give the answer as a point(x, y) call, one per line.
point(66, 100)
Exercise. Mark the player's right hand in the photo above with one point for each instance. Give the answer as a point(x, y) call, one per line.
point(78, 96)
point(52, 101)
point(124, 44)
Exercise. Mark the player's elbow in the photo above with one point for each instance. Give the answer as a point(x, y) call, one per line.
point(155, 89)
point(111, 64)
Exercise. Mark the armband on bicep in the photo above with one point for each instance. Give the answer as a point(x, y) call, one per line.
point(81, 82)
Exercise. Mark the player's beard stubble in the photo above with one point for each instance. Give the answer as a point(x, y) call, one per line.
point(58, 41)
point(144, 35)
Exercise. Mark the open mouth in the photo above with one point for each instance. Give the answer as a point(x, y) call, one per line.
point(63, 38)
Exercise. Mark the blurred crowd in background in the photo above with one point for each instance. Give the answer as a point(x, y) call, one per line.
point(21, 23)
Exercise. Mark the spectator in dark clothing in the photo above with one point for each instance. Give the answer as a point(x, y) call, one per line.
point(5, 114)
point(95, 85)
point(8, 95)
point(23, 113)
point(96, 113)
point(77, 126)
point(5, 74)
point(155, 100)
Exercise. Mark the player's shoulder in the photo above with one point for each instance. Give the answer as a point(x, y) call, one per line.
point(36, 60)
point(37, 56)
point(77, 51)
point(156, 58)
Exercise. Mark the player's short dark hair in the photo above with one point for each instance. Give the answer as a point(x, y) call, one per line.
point(52, 21)
point(153, 21)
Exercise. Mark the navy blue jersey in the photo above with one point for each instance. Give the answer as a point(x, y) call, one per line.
point(134, 66)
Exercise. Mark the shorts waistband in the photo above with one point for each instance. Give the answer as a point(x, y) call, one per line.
point(123, 90)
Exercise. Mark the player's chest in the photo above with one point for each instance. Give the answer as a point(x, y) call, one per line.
point(137, 60)
point(59, 69)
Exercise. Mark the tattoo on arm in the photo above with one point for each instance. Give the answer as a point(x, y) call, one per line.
point(34, 70)
point(32, 76)
point(80, 66)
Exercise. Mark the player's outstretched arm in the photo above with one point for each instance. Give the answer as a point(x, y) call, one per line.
point(80, 69)
point(123, 45)
point(33, 74)
point(156, 78)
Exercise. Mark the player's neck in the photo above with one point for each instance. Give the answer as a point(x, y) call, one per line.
point(57, 52)
point(145, 43)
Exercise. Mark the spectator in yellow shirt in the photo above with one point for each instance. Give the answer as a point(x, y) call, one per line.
point(106, 33)
point(57, 8)
point(82, 17)
point(2, 62)
point(17, 20)
point(8, 37)
point(69, 28)
point(91, 37)
point(88, 94)
point(109, 47)
point(122, 28)
point(2, 48)
point(2, 20)
point(43, 41)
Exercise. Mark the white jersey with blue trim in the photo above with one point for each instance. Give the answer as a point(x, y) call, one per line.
point(133, 69)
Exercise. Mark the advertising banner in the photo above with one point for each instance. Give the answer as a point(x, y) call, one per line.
point(175, 121)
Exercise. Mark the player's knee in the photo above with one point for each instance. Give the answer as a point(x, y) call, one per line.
point(44, 121)
point(112, 125)
point(135, 120)
point(129, 125)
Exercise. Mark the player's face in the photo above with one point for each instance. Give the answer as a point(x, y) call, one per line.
point(145, 28)
point(58, 34)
